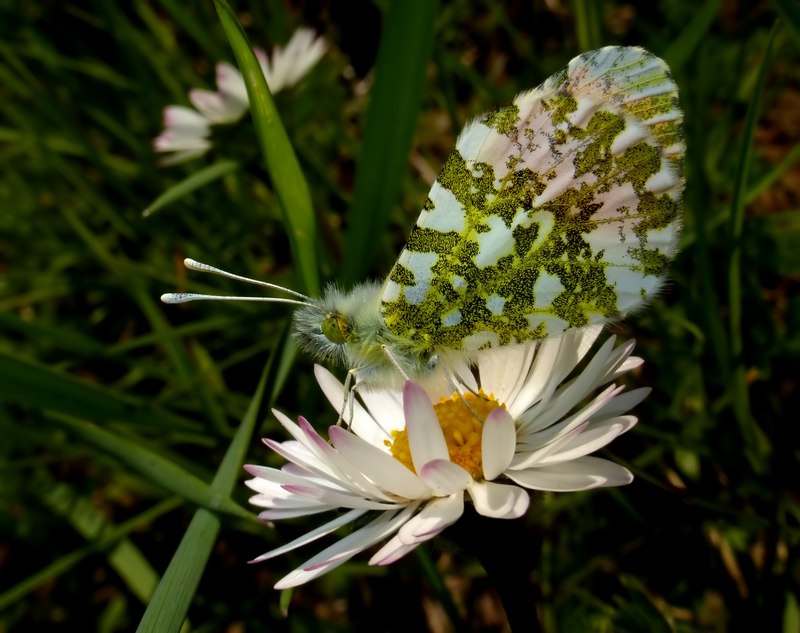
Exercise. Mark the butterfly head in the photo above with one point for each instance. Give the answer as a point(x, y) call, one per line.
point(336, 328)
point(342, 327)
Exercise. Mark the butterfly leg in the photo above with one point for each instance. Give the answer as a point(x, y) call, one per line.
point(394, 362)
point(453, 382)
point(350, 385)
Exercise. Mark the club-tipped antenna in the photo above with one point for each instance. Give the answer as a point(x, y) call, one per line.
point(191, 264)
point(185, 297)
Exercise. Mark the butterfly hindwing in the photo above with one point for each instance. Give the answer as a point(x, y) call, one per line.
point(557, 211)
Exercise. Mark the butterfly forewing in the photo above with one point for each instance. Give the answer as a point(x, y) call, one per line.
point(557, 211)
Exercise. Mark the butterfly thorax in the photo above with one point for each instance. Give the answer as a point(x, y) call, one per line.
point(349, 328)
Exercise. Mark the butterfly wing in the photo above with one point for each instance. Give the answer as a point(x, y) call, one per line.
point(558, 211)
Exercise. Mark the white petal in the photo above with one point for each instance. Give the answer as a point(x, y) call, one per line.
point(425, 437)
point(434, 517)
point(568, 396)
point(337, 499)
point(385, 406)
point(311, 536)
point(380, 467)
point(502, 371)
point(217, 107)
point(231, 83)
point(306, 435)
point(580, 474)
point(623, 403)
point(289, 65)
point(592, 439)
point(444, 477)
point(348, 473)
point(181, 118)
point(498, 442)
point(584, 338)
point(391, 552)
point(541, 380)
point(617, 360)
point(173, 141)
point(343, 550)
point(542, 438)
point(280, 514)
point(297, 453)
point(630, 363)
point(266, 479)
point(499, 501)
point(356, 417)
point(456, 364)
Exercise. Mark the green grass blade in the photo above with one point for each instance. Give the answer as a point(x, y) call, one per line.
point(194, 23)
point(43, 388)
point(188, 185)
point(173, 596)
point(151, 465)
point(773, 175)
point(284, 170)
point(405, 50)
point(180, 360)
point(170, 604)
point(684, 47)
point(789, 12)
point(587, 24)
point(68, 561)
point(79, 511)
point(756, 445)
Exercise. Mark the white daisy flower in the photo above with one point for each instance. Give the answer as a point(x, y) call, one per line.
point(187, 131)
point(409, 460)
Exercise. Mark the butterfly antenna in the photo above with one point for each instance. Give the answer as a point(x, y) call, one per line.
point(191, 264)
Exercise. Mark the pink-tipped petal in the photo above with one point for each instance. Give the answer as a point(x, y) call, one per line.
point(231, 83)
point(592, 439)
point(425, 437)
point(391, 552)
point(444, 477)
point(344, 549)
point(379, 466)
point(432, 519)
point(583, 473)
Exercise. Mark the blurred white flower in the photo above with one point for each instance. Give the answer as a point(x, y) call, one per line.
point(411, 459)
point(187, 131)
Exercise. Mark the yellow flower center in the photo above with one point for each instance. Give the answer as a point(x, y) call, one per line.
point(461, 419)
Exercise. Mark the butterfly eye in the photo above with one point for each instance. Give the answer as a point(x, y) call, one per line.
point(336, 328)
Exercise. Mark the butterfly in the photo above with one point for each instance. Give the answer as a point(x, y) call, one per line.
point(559, 211)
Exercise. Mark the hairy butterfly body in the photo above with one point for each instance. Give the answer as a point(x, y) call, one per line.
point(559, 211)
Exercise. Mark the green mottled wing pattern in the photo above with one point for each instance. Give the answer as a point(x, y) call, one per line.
point(558, 211)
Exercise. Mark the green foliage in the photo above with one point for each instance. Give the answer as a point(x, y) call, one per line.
point(125, 422)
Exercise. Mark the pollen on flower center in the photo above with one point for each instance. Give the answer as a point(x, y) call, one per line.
point(461, 419)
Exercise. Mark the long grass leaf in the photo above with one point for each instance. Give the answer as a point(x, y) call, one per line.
point(37, 386)
point(79, 511)
point(282, 165)
point(789, 12)
point(170, 604)
point(68, 561)
point(150, 465)
point(587, 24)
point(194, 181)
point(403, 57)
point(756, 446)
point(685, 45)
